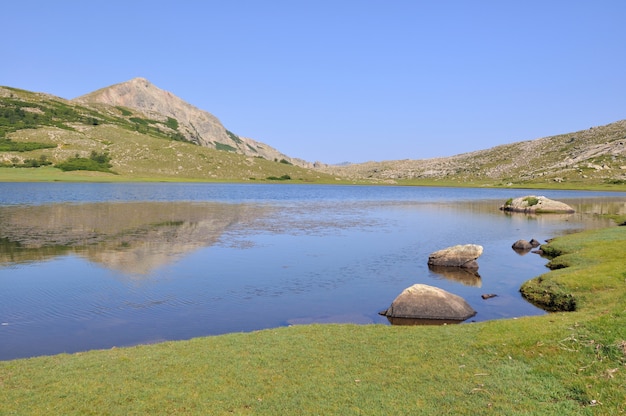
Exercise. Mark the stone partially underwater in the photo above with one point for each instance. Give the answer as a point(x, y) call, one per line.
point(536, 205)
point(463, 256)
point(523, 246)
point(424, 304)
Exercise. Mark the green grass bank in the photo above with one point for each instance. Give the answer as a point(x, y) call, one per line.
point(564, 363)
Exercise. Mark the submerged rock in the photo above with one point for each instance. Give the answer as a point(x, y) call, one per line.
point(522, 245)
point(428, 302)
point(457, 256)
point(536, 204)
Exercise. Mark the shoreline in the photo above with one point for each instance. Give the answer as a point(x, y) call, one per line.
point(47, 174)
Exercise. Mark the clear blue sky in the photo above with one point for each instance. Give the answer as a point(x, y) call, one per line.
point(334, 81)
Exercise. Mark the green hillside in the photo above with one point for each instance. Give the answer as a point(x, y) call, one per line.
point(39, 133)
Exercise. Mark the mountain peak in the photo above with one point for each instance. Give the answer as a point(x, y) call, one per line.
point(139, 80)
point(196, 125)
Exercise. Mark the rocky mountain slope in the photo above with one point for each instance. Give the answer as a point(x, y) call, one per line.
point(193, 124)
point(44, 132)
point(595, 155)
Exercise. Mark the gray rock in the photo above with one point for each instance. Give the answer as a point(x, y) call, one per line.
point(536, 205)
point(457, 256)
point(427, 302)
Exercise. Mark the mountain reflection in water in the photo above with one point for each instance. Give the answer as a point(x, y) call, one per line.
point(134, 237)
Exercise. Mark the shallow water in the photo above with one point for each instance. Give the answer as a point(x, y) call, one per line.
point(86, 266)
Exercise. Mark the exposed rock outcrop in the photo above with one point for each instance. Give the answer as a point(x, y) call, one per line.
point(457, 256)
point(536, 205)
point(427, 302)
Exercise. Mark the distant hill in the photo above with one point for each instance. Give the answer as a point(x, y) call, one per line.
point(593, 156)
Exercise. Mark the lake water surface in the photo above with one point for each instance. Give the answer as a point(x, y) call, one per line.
point(86, 266)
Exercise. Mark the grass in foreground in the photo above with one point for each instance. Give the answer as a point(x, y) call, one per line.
point(570, 363)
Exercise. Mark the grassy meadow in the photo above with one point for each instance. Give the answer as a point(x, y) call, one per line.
point(571, 363)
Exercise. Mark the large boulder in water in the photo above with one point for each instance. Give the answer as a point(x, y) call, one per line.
point(427, 302)
point(536, 205)
point(457, 256)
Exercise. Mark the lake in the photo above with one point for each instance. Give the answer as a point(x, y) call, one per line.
point(93, 266)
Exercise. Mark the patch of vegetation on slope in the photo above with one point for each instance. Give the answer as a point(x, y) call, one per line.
point(21, 109)
point(97, 162)
point(27, 163)
point(8, 145)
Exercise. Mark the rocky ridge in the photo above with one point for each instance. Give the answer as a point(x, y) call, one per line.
point(597, 153)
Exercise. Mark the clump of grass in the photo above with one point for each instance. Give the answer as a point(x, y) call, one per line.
point(8, 145)
point(233, 137)
point(98, 162)
point(548, 295)
point(531, 200)
point(172, 123)
point(125, 111)
point(279, 178)
point(550, 251)
point(224, 147)
point(28, 163)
